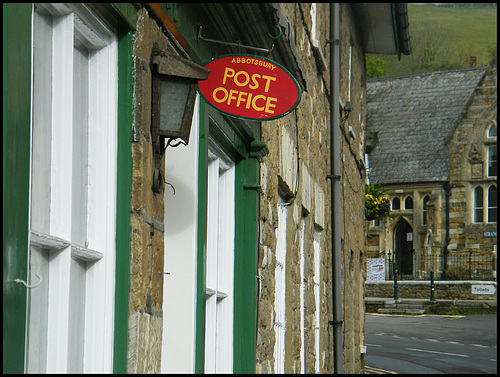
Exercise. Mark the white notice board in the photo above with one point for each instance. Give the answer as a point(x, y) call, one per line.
point(375, 269)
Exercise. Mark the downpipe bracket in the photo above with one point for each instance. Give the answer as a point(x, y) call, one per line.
point(334, 177)
point(336, 323)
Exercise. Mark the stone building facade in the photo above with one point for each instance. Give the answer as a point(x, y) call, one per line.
point(295, 170)
point(473, 166)
point(432, 187)
point(146, 213)
point(129, 253)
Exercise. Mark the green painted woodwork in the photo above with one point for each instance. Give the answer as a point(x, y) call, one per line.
point(124, 184)
point(238, 141)
point(16, 168)
point(202, 236)
point(245, 265)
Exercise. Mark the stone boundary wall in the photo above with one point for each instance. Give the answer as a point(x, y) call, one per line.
point(443, 290)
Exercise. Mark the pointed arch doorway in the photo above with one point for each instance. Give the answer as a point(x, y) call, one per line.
point(403, 247)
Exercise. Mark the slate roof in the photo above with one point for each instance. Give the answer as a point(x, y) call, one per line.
point(413, 116)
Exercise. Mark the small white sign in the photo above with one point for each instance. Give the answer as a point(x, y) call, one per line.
point(375, 269)
point(483, 289)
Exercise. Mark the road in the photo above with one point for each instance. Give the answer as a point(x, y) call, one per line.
point(431, 344)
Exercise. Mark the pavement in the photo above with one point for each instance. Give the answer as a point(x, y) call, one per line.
point(421, 306)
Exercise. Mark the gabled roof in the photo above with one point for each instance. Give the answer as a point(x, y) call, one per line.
point(413, 116)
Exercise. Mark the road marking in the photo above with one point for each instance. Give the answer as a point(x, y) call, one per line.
point(441, 353)
point(373, 345)
point(433, 340)
point(453, 316)
point(479, 345)
point(456, 343)
point(373, 370)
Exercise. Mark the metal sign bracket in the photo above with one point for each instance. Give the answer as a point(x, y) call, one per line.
point(239, 45)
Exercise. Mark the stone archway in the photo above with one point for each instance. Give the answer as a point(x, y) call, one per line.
point(403, 247)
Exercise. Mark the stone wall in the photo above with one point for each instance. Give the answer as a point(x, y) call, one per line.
point(146, 218)
point(443, 290)
point(300, 177)
point(468, 169)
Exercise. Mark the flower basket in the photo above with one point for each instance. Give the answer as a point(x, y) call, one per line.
point(377, 204)
point(374, 216)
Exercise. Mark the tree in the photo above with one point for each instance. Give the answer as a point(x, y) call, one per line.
point(375, 66)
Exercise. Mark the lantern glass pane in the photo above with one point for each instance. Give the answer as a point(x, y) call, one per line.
point(173, 97)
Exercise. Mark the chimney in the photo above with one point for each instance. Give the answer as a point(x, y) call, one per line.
point(473, 61)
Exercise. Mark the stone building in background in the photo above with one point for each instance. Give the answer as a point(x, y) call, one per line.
point(437, 160)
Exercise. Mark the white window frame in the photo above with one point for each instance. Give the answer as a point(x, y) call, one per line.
point(280, 288)
point(219, 281)
point(302, 294)
point(70, 315)
point(317, 298)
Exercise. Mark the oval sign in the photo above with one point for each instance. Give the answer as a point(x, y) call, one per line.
point(250, 87)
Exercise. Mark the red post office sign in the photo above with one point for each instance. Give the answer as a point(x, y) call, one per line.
point(250, 87)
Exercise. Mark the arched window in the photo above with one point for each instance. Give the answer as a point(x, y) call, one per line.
point(492, 204)
point(492, 161)
point(424, 209)
point(396, 204)
point(409, 202)
point(492, 150)
point(478, 205)
point(492, 131)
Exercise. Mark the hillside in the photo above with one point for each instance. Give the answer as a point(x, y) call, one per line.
point(442, 38)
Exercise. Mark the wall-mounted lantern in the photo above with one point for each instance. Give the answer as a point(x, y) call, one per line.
point(173, 96)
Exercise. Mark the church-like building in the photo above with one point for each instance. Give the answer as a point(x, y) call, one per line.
point(436, 158)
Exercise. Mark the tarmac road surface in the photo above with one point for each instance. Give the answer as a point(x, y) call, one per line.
point(428, 344)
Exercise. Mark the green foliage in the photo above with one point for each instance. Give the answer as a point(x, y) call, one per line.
point(375, 66)
point(376, 202)
point(443, 38)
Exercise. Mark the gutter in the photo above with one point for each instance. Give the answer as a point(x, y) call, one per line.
point(334, 176)
point(401, 28)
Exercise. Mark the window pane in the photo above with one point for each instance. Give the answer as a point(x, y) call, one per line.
point(424, 209)
point(492, 161)
point(409, 203)
point(492, 204)
point(492, 132)
point(396, 204)
point(478, 205)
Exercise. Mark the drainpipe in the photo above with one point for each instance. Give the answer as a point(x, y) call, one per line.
point(338, 335)
point(447, 193)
